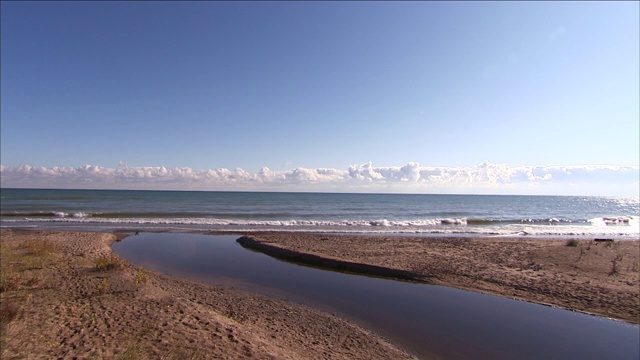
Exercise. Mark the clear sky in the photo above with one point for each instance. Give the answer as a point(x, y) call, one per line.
point(480, 97)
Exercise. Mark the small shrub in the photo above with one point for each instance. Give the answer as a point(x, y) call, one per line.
point(108, 262)
point(141, 276)
point(573, 243)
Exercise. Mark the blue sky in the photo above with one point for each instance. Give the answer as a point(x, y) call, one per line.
point(323, 88)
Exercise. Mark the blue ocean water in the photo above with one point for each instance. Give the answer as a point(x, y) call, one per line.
point(320, 212)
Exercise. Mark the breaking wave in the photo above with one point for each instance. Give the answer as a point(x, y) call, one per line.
point(626, 226)
point(271, 219)
point(44, 214)
point(614, 220)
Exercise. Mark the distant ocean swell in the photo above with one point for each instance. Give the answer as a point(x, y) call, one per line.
point(122, 210)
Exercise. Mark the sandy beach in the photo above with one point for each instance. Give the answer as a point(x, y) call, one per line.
point(594, 277)
point(65, 296)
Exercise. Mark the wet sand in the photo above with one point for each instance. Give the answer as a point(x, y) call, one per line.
point(65, 295)
point(594, 277)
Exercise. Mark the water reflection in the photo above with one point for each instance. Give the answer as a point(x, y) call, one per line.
point(423, 319)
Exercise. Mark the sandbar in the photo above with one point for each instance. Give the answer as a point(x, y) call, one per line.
point(587, 275)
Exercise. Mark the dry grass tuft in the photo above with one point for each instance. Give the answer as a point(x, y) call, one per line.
point(573, 243)
point(615, 264)
point(132, 352)
point(8, 312)
point(9, 278)
point(39, 247)
point(141, 276)
point(103, 286)
point(108, 262)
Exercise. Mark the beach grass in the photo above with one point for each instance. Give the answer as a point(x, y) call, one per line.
point(38, 248)
point(20, 265)
point(108, 262)
point(20, 272)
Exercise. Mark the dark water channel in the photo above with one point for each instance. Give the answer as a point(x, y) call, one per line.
point(425, 320)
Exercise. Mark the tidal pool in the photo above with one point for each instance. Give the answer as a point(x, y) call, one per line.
point(425, 320)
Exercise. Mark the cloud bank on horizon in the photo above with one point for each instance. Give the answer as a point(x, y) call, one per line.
point(484, 178)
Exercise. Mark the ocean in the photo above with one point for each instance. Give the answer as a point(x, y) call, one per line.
point(190, 211)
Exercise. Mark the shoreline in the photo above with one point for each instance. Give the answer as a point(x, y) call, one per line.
point(96, 227)
point(66, 295)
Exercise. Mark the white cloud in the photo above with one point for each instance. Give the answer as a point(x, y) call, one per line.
point(484, 178)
